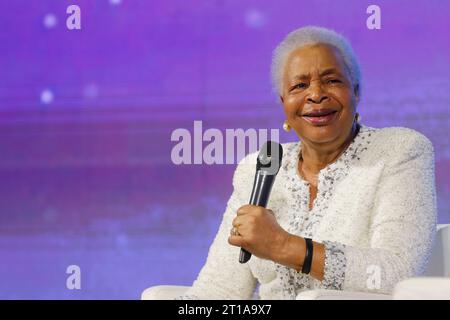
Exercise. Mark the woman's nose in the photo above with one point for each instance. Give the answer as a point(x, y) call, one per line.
point(316, 94)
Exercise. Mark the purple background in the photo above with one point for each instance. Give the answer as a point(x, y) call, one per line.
point(86, 178)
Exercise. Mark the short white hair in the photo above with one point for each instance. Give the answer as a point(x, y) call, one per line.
point(313, 35)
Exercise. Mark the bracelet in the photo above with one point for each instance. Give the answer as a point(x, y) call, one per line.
point(307, 262)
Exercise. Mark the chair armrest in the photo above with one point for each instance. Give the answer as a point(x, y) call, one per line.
point(163, 292)
point(423, 288)
point(340, 295)
point(439, 262)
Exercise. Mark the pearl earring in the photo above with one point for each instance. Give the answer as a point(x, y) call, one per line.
point(286, 126)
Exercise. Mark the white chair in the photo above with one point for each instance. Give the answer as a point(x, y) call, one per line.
point(434, 285)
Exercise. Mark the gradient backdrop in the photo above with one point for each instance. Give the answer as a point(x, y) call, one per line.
point(86, 116)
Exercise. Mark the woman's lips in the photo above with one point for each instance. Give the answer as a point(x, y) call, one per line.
point(321, 120)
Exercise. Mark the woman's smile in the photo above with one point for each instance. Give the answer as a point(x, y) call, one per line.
point(321, 119)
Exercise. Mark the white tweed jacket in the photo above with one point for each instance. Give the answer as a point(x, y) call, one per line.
point(375, 211)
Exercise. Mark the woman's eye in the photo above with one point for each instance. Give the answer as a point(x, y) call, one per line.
point(333, 81)
point(300, 86)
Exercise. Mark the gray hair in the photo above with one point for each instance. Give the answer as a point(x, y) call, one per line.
point(313, 35)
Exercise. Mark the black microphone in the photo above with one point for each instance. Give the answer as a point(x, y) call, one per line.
point(268, 164)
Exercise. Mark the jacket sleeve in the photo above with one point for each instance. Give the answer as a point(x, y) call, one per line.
point(402, 228)
point(222, 276)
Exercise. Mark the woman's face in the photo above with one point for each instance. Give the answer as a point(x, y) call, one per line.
point(315, 78)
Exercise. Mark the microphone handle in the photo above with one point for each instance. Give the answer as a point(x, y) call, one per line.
point(260, 196)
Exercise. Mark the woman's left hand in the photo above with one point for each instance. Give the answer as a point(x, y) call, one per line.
point(259, 232)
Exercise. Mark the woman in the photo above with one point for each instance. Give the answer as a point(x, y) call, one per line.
point(352, 208)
